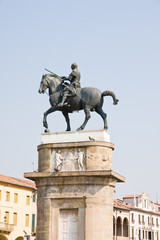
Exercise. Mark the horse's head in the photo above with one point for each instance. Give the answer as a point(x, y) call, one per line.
point(50, 82)
point(44, 83)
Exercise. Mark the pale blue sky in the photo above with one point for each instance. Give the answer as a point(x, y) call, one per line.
point(117, 46)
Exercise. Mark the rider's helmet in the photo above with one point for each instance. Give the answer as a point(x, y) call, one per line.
point(74, 65)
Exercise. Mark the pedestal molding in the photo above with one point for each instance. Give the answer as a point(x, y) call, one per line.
point(100, 173)
point(76, 144)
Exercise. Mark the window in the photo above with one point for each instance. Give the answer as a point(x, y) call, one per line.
point(15, 197)
point(146, 234)
point(157, 223)
point(28, 200)
point(27, 220)
point(14, 219)
point(33, 223)
point(6, 217)
point(132, 217)
point(149, 235)
point(34, 197)
point(114, 225)
point(157, 235)
point(139, 234)
point(7, 196)
point(119, 226)
point(145, 203)
point(125, 227)
point(143, 233)
point(148, 220)
point(139, 218)
point(152, 221)
point(152, 235)
point(158, 209)
point(132, 233)
point(143, 219)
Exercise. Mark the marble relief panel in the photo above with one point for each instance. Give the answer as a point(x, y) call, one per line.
point(68, 159)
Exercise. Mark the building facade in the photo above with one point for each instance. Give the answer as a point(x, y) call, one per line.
point(141, 215)
point(17, 209)
point(121, 220)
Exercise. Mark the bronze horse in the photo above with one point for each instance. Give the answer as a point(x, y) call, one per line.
point(87, 99)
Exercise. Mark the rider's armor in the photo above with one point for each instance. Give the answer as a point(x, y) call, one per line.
point(74, 79)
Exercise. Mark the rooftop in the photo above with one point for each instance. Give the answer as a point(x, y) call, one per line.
point(132, 196)
point(17, 181)
point(121, 204)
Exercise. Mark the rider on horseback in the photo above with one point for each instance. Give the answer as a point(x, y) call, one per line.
point(74, 79)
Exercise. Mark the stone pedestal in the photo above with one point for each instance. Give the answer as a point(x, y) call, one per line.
point(75, 185)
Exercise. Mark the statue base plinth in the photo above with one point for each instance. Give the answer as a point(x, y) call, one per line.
point(75, 185)
point(76, 136)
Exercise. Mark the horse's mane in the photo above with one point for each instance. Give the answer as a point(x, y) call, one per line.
point(50, 76)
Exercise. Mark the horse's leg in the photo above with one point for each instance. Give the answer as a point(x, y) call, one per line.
point(87, 117)
point(65, 114)
point(99, 110)
point(45, 124)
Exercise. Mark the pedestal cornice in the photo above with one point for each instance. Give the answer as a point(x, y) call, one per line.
point(77, 174)
point(76, 144)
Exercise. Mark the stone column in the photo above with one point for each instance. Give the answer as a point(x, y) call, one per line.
point(75, 177)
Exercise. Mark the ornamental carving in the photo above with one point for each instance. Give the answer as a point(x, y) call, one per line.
point(72, 160)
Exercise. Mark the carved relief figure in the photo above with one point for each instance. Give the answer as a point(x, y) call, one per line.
point(58, 161)
point(80, 159)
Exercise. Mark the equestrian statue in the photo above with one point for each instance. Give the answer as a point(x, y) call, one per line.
point(66, 95)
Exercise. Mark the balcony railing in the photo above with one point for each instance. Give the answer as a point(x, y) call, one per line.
point(5, 227)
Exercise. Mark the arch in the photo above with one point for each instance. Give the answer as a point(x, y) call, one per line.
point(19, 238)
point(119, 226)
point(125, 227)
point(3, 237)
point(114, 225)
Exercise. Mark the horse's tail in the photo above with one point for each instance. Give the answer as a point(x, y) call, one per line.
point(110, 93)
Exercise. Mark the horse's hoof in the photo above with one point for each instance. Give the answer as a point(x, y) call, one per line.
point(116, 102)
point(46, 130)
point(79, 129)
point(67, 130)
